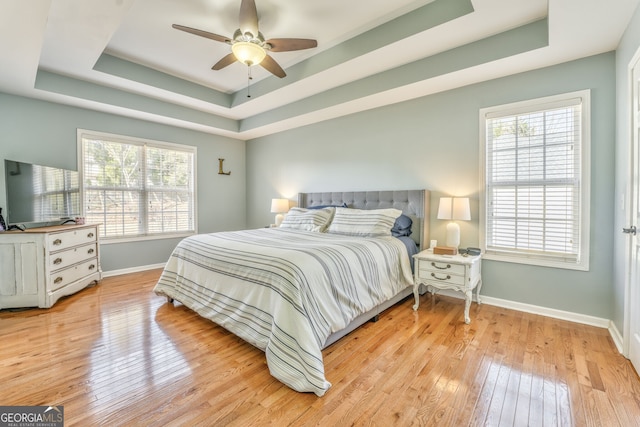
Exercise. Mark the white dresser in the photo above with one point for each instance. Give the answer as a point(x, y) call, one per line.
point(40, 265)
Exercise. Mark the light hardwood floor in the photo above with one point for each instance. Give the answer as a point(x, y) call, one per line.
point(116, 354)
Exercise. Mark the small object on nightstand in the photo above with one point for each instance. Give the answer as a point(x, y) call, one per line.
point(445, 250)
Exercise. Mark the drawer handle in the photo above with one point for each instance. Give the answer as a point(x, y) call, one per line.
point(440, 278)
point(90, 235)
point(90, 251)
point(92, 266)
point(57, 242)
point(433, 264)
point(57, 261)
point(58, 280)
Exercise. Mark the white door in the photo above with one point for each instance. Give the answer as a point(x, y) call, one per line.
point(633, 293)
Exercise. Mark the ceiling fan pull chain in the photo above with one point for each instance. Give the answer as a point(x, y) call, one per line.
point(249, 78)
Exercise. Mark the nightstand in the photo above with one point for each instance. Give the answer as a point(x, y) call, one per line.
point(455, 272)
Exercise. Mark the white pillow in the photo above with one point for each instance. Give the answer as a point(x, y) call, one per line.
point(307, 219)
point(362, 222)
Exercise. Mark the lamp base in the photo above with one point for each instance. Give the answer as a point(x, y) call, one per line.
point(279, 218)
point(453, 235)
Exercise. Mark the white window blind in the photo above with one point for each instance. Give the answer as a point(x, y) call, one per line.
point(534, 182)
point(137, 188)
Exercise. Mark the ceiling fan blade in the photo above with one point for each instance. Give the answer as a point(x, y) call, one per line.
point(286, 45)
point(227, 60)
point(249, 17)
point(269, 64)
point(202, 33)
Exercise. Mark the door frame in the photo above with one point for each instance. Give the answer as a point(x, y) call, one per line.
point(632, 205)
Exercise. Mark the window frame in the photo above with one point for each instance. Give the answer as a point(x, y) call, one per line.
point(83, 133)
point(532, 106)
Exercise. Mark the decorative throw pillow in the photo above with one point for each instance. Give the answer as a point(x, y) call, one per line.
point(362, 222)
point(307, 219)
point(402, 227)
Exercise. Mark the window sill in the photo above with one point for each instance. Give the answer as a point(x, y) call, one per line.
point(115, 240)
point(584, 266)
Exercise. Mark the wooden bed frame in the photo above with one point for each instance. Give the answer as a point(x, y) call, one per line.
point(414, 203)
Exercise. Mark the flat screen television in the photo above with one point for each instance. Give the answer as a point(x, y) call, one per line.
point(40, 195)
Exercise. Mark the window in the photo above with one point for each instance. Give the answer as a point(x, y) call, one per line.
point(535, 171)
point(137, 188)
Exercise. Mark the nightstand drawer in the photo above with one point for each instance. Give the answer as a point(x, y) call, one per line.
point(437, 266)
point(443, 278)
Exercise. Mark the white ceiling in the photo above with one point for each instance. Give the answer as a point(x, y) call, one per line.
point(68, 37)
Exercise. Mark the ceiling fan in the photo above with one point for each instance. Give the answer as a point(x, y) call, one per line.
point(248, 44)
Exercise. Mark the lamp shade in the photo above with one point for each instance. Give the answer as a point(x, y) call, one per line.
point(279, 205)
point(248, 53)
point(461, 208)
point(454, 208)
point(444, 209)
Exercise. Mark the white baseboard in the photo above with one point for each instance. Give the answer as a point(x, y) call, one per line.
point(132, 270)
point(549, 312)
point(616, 336)
point(544, 311)
point(564, 315)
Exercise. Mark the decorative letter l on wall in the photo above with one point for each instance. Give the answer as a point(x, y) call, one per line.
point(220, 172)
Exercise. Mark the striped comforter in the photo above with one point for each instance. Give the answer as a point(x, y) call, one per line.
point(285, 291)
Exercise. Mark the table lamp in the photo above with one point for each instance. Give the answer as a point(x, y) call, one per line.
point(454, 208)
point(279, 207)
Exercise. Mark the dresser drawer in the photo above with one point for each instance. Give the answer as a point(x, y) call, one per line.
point(67, 239)
point(69, 275)
point(72, 256)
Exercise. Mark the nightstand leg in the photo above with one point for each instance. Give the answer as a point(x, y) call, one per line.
point(478, 292)
point(467, 304)
point(416, 296)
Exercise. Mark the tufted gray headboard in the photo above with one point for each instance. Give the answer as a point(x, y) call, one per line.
point(414, 203)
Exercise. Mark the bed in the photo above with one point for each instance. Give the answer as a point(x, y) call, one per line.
point(294, 290)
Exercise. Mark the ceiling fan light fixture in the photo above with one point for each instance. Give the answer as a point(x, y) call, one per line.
point(248, 45)
point(248, 53)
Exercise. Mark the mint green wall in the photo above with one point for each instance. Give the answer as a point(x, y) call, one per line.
point(629, 45)
point(45, 133)
point(432, 142)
